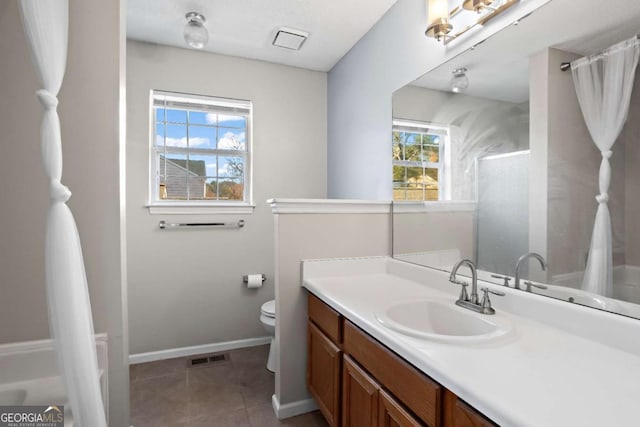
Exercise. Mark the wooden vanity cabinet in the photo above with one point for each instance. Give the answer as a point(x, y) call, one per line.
point(323, 373)
point(358, 382)
point(366, 404)
point(392, 414)
point(419, 393)
point(360, 396)
point(324, 365)
point(459, 414)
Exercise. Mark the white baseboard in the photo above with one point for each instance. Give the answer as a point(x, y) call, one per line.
point(196, 349)
point(292, 409)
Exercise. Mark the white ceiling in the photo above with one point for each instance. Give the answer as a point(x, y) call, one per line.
point(246, 28)
point(498, 68)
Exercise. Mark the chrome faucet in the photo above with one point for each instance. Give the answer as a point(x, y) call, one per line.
point(535, 255)
point(474, 280)
point(472, 303)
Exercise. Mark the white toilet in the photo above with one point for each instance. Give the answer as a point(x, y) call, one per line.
point(268, 319)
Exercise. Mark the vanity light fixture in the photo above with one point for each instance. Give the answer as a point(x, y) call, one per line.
point(477, 5)
point(439, 26)
point(195, 33)
point(460, 81)
point(441, 20)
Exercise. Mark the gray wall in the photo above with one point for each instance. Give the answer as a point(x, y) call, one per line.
point(539, 133)
point(89, 111)
point(24, 206)
point(185, 287)
point(434, 231)
point(393, 53)
point(313, 236)
point(629, 138)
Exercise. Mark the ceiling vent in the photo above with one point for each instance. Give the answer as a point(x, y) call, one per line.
point(290, 39)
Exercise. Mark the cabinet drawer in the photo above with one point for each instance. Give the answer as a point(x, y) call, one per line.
point(327, 319)
point(416, 391)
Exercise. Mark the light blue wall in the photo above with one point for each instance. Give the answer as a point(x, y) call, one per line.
point(393, 53)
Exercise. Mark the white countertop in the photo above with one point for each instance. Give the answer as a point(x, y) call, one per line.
point(539, 374)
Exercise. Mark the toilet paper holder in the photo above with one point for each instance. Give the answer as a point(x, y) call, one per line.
point(245, 278)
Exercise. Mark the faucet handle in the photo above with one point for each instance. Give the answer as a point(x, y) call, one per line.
point(505, 278)
point(486, 302)
point(534, 285)
point(491, 291)
point(464, 296)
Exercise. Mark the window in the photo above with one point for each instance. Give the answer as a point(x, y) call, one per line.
point(418, 160)
point(200, 150)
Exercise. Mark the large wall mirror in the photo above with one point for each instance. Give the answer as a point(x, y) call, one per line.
point(493, 160)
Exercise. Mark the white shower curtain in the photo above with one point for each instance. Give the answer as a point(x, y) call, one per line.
point(45, 23)
point(604, 84)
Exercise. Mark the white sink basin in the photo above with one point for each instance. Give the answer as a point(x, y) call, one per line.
point(442, 321)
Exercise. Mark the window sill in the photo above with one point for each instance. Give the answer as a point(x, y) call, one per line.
point(199, 209)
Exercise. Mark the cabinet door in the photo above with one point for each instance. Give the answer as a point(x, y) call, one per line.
point(323, 374)
point(459, 414)
point(359, 396)
point(420, 394)
point(394, 415)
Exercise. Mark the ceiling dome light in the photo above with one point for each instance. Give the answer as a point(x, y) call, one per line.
point(195, 34)
point(460, 81)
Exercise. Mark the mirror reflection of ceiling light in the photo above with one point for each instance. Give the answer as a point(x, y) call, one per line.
point(460, 81)
point(195, 33)
point(468, 14)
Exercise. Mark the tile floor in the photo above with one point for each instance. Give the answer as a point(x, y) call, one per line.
point(232, 393)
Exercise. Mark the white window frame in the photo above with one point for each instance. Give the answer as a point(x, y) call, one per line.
point(443, 166)
point(189, 102)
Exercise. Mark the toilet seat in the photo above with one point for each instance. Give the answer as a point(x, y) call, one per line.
point(268, 309)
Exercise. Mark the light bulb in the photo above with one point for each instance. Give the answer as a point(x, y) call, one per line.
point(438, 10)
point(438, 18)
point(195, 33)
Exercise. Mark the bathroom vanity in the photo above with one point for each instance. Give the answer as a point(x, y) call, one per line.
point(548, 367)
point(356, 380)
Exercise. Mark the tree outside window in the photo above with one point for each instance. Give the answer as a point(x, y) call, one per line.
point(418, 161)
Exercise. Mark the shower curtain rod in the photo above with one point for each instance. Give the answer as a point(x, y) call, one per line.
point(566, 66)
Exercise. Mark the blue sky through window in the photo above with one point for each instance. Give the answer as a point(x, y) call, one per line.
point(204, 132)
point(193, 148)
